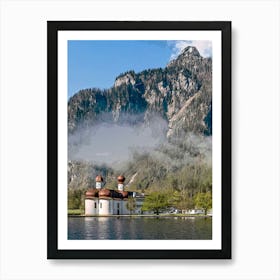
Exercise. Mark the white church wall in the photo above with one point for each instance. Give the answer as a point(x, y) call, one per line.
point(91, 207)
point(104, 206)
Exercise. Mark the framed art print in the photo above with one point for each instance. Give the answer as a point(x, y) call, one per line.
point(139, 140)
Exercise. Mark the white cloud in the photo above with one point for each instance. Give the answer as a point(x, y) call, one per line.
point(203, 46)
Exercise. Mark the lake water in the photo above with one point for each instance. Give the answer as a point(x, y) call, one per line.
point(139, 228)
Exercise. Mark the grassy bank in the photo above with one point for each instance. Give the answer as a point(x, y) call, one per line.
point(75, 212)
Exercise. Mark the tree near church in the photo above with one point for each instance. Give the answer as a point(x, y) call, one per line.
point(156, 201)
point(183, 201)
point(131, 204)
point(203, 201)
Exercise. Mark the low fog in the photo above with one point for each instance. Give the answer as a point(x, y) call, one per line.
point(112, 143)
point(115, 144)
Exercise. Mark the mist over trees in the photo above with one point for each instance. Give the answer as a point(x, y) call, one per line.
point(173, 174)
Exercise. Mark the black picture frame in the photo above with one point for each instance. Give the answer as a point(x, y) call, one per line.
point(53, 27)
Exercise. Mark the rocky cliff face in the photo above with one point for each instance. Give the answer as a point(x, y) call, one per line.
point(181, 93)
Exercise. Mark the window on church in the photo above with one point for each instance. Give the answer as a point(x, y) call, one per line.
point(100, 205)
point(95, 205)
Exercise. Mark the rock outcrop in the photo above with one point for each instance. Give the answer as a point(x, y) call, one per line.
point(181, 93)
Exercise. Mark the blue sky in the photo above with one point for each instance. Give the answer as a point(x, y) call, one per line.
point(98, 63)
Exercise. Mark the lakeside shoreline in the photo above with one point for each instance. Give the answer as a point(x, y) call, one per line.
point(151, 215)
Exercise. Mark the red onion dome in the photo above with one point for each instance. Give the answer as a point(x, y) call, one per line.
point(104, 192)
point(92, 192)
point(121, 179)
point(99, 178)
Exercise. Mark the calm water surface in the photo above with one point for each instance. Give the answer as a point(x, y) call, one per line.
point(139, 228)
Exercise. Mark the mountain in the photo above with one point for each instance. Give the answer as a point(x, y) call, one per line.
point(181, 93)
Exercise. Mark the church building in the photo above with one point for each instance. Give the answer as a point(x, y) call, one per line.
point(102, 201)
